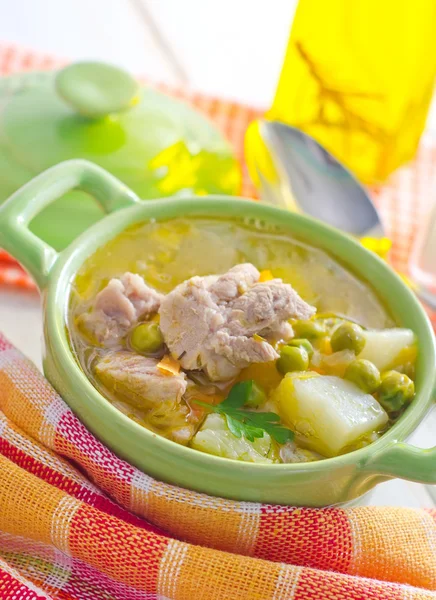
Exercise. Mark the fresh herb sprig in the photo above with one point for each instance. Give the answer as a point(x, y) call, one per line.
point(247, 423)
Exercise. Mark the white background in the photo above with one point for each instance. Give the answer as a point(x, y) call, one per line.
point(227, 48)
point(231, 48)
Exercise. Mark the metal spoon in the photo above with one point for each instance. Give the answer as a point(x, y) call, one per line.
point(302, 175)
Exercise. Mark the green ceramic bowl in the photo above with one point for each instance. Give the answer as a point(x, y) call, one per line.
point(331, 481)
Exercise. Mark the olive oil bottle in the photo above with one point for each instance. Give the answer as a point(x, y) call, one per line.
point(358, 76)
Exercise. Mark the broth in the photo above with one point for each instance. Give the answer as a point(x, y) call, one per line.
point(167, 253)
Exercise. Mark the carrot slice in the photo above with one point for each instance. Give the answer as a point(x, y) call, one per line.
point(169, 365)
point(266, 275)
point(325, 347)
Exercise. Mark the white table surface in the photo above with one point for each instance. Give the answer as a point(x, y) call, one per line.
point(230, 48)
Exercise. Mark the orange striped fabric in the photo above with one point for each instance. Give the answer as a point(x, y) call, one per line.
point(77, 522)
point(404, 203)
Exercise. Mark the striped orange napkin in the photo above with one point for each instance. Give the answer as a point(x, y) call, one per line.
point(76, 522)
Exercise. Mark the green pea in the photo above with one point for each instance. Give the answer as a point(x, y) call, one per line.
point(408, 369)
point(396, 390)
point(292, 358)
point(302, 343)
point(348, 336)
point(146, 338)
point(310, 329)
point(257, 396)
point(364, 374)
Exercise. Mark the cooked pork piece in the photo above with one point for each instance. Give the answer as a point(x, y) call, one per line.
point(138, 380)
point(188, 316)
point(265, 308)
point(234, 283)
point(145, 299)
point(118, 307)
point(217, 366)
point(209, 322)
point(241, 350)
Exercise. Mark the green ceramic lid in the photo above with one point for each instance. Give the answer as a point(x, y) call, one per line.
point(158, 146)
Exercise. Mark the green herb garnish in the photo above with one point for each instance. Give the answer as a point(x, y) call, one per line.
point(245, 422)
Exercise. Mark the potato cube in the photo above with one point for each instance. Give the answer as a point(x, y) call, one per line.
point(214, 437)
point(327, 412)
point(384, 347)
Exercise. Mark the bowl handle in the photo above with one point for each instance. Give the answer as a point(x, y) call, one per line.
point(36, 256)
point(405, 461)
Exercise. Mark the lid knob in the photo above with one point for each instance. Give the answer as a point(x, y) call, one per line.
point(96, 89)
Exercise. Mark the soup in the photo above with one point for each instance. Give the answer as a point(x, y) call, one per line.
point(238, 340)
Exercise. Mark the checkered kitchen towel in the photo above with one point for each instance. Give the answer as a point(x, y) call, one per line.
point(76, 522)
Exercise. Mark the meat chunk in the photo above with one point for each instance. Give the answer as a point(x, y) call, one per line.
point(235, 282)
point(118, 307)
point(209, 322)
point(188, 316)
point(242, 350)
point(138, 380)
point(144, 299)
point(265, 309)
point(199, 309)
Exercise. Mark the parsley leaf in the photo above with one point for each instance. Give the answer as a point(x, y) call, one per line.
point(248, 423)
point(238, 395)
point(239, 428)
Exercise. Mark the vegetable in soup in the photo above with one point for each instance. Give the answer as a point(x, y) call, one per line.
point(238, 340)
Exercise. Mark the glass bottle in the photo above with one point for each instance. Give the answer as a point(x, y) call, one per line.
point(358, 76)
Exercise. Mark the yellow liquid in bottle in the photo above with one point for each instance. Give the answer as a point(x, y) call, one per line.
point(358, 76)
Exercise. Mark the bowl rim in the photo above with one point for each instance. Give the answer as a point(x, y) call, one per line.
point(57, 296)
